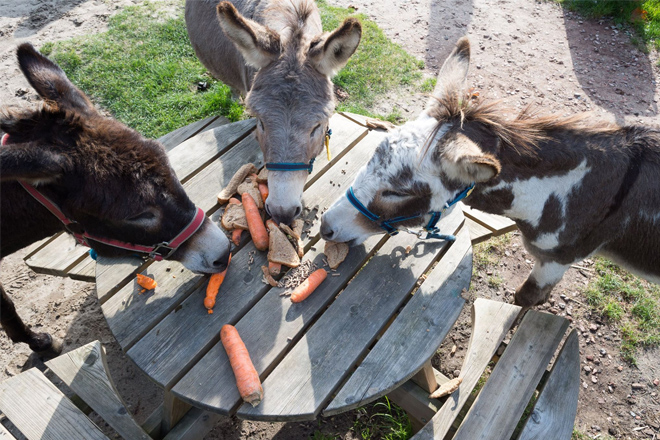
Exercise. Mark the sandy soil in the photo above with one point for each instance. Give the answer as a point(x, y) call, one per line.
point(523, 52)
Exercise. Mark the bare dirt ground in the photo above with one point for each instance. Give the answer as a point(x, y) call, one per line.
point(523, 52)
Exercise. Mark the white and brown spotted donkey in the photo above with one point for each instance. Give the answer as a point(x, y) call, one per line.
point(574, 188)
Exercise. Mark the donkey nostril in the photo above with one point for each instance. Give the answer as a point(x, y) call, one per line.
point(298, 211)
point(326, 232)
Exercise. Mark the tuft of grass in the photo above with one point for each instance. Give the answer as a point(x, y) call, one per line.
point(377, 68)
point(642, 15)
point(628, 302)
point(577, 435)
point(388, 422)
point(144, 71)
point(488, 253)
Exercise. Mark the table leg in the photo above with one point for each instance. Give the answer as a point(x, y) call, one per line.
point(414, 401)
point(425, 378)
point(173, 410)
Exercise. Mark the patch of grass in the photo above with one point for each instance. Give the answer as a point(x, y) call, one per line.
point(388, 422)
point(318, 435)
point(642, 15)
point(144, 71)
point(377, 68)
point(577, 435)
point(629, 302)
point(488, 253)
point(495, 281)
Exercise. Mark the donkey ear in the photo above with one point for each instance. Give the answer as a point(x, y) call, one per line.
point(452, 77)
point(49, 80)
point(330, 53)
point(31, 163)
point(463, 160)
point(259, 45)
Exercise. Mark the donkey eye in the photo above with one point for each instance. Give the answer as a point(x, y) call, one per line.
point(388, 193)
point(145, 216)
point(261, 124)
point(314, 130)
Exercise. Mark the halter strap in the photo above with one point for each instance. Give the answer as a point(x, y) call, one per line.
point(300, 166)
point(431, 229)
point(158, 252)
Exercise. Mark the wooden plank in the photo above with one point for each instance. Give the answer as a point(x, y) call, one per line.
point(415, 399)
point(58, 256)
point(184, 336)
point(193, 154)
point(113, 273)
point(38, 245)
point(554, 412)
point(5, 434)
point(503, 399)
point(41, 411)
point(497, 223)
point(174, 138)
point(194, 425)
point(85, 371)
point(173, 411)
point(416, 333)
point(425, 378)
point(303, 382)
point(491, 321)
point(478, 232)
point(152, 425)
point(84, 271)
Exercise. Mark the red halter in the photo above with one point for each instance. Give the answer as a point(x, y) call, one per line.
point(155, 252)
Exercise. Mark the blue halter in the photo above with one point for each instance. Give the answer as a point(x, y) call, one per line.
point(432, 231)
point(297, 166)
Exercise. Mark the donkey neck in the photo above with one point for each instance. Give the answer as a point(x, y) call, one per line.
point(23, 220)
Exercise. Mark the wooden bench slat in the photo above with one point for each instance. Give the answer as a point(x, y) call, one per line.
point(194, 425)
point(478, 232)
point(84, 271)
point(553, 415)
point(58, 256)
point(399, 353)
point(85, 371)
point(5, 434)
point(174, 138)
point(41, 412)
point(180, 338)
point(302, 383)
point(497, 223)
point(491, 321)
point(509, 388)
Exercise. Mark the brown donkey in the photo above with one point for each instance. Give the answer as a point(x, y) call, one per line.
point(65, 159)
point(573, 188)
point(275, 51)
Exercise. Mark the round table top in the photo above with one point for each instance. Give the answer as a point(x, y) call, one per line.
point(367, 329)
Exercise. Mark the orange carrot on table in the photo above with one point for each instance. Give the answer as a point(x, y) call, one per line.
point(255, 223)
point(263, 189)
point(247, 378)
point(213, 287)
point(308, 286)
point(236, 236)
point(274, 268)
point(146, 282)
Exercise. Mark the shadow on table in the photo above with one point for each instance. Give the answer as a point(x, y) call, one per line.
point(610, 69)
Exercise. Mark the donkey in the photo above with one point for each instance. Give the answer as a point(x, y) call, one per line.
point(574, 188)
point(65, 167)
point(277, 54)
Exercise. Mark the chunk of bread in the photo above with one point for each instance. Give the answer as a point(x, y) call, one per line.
point(297, 226)
point(262, 177)
point(234, 217)
point(280, 250)
point(335, 253)
point(295, 239)
point(268, 277)
point(250, 186)
point(237, 179)
point(447, 388)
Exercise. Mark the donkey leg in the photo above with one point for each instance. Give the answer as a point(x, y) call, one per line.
point(41, 343)
point(537, 287)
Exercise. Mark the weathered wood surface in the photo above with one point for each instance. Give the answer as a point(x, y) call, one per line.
point(174, 138)
point(85, 371)
point(41, 412)
point(509, 388)
point(182, 337)
point(553, 415)
point(173, 411)
point(415, 399)
point(5, 434)
point(478, 232)
point(302, 383)
point(194, 425)
point(416, 334)
point(58, 256)
point(491, 321)
point(497, 223)
point(425, 378)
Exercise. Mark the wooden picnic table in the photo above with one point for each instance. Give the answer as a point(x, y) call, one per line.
point(363, 329)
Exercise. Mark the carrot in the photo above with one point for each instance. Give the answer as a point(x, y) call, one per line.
point(255, 223)
point(234, 201)
point(274, 268)
point(213, 287)
point(236, 236)
point(263, 189)
point(247, 378)
point(308, 286)
point(146, 282)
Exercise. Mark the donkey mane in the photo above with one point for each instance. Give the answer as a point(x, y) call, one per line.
point(522, 134)
point(291, 18)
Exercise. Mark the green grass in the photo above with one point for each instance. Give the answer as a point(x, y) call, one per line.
point(577, 435)
point(628, 302)
point(488, 254)
point(383, 420)
point(625, 13)
point(144, 71)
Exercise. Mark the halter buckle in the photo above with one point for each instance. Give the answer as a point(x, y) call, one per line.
point(156, 253)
